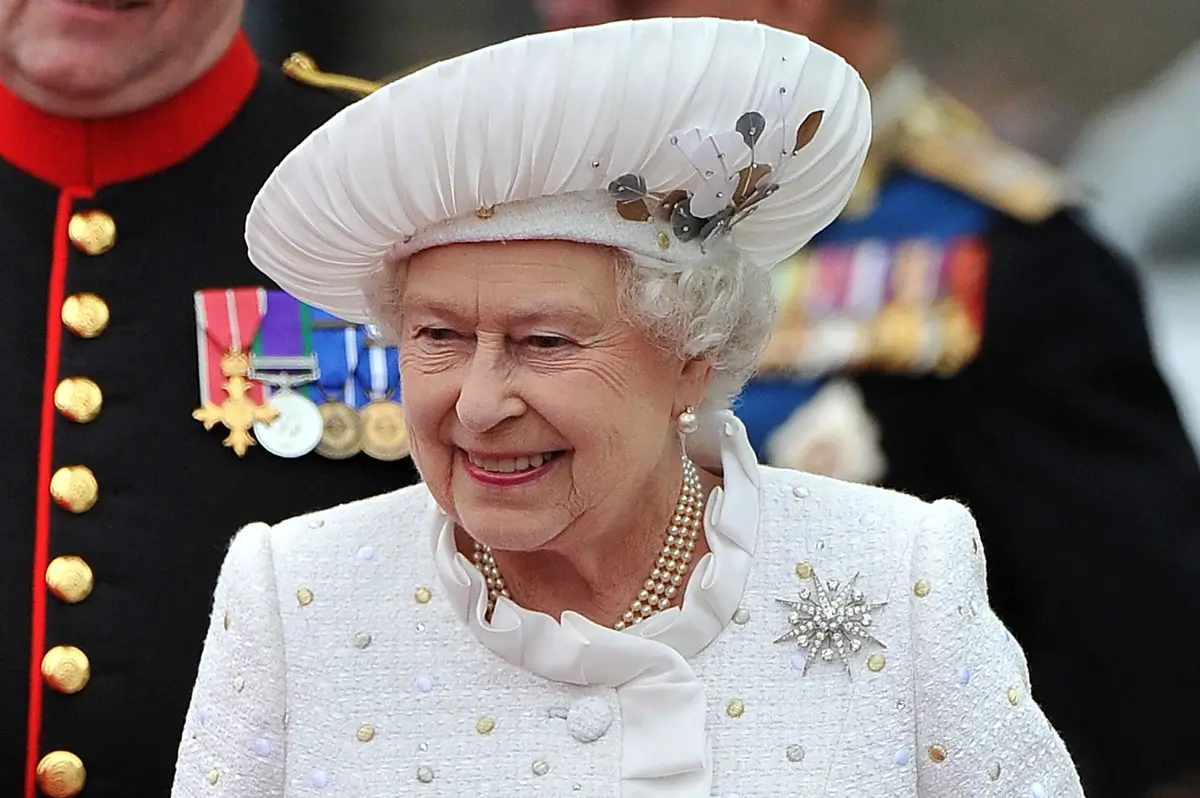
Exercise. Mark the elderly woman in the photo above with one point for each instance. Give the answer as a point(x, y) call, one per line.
point(597, 591)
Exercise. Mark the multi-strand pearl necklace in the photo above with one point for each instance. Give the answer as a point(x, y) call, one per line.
point(666, 581)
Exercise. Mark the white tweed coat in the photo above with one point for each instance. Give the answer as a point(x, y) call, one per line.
point(349, 656)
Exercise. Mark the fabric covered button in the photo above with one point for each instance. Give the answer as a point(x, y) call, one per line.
point(589, 719)
point(318, 779)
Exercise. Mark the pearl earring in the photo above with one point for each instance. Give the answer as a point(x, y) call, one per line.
point(687, 421)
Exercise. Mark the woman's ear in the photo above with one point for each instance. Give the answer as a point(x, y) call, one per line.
point(694, 378)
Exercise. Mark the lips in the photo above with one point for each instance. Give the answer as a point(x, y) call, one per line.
point(511, 465)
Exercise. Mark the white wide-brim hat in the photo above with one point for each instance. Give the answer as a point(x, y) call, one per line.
point(659, 137)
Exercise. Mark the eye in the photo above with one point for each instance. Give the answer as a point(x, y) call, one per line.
point(437, 333)
point(546, 341)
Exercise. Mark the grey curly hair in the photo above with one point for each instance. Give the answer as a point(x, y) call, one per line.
point(718, 308)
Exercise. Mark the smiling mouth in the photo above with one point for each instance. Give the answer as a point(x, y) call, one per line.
point(511, 465)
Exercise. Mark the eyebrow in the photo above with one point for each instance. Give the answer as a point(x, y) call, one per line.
point(523, 315)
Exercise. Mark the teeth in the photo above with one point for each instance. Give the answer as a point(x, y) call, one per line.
point(510, 465)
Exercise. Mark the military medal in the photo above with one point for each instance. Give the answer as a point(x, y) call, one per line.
point(296, 430)
point(385, 436)
point(283, 360)
point(342, 436)
point(228, 320)
point(337, 345)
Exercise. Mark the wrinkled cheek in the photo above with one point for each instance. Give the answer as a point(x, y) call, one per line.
point(436, 465)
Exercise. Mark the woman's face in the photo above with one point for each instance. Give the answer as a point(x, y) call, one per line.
point(534, 410)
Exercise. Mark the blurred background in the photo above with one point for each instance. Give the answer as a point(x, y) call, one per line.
point(1107, 89)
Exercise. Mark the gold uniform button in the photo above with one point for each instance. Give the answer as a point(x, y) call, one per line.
point(79, 399)
point(74, 488)
point(70, 579)
point(93, 232)
point(86, 315)
point(61, 774)
point(66, 669)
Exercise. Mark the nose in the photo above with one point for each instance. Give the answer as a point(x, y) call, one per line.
point(486, 397)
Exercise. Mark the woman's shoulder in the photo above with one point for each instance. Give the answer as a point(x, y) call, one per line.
point(801, 512)
point(786, 493)
point(354, 527)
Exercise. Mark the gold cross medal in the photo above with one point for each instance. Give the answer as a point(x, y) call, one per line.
point(270, 331)
point(227, 320)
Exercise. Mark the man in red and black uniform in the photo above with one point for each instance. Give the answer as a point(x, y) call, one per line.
point(133, 136)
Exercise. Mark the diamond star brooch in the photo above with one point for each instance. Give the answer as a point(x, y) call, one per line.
point(830, 621)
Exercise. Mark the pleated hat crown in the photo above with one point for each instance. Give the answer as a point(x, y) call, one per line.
point(661, 137)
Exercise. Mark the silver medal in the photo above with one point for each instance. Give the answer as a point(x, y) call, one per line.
point(296, 431)
point(298, 428)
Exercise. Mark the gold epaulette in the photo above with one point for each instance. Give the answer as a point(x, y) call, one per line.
point(944, 141)
point(302, 68)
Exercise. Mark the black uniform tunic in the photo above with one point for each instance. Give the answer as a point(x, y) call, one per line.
point(117, 505)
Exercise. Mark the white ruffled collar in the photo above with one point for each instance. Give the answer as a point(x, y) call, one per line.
point(666, 752)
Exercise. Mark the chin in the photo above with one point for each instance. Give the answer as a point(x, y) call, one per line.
point(80, 71)
point(509, 530)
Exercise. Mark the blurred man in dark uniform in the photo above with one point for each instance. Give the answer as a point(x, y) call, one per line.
point(959, 301)
point(158, 395)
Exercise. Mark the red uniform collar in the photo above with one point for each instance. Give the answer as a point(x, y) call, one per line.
point(93, 153)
